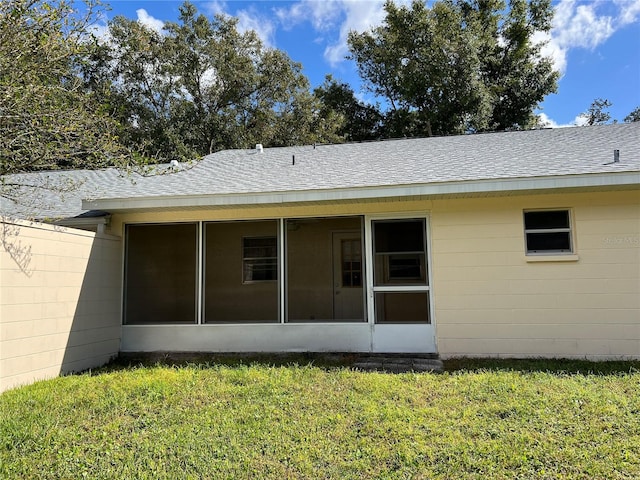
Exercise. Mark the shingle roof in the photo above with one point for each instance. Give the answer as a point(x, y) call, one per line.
point(57, 194)
point(492, 156)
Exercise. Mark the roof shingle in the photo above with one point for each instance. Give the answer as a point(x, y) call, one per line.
point(491, 156)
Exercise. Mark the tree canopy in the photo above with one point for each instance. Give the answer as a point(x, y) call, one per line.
point(47, 119)
point(634, 116)
point(360, 121)
point(458, 66)
point(201, 86)
point(598, 114)
point(69, 99)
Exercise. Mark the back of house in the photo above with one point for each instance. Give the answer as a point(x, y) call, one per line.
point(518, 244)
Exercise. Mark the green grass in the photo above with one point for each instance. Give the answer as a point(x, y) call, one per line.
point(480, 419)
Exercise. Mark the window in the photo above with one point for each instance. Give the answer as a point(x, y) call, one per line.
point(259, 259)
point(404, 267)
point(351, 262)
point(547, 232)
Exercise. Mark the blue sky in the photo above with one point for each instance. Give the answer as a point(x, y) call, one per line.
point(595, 44)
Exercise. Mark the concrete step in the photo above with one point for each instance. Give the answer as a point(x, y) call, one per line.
point(398, 363)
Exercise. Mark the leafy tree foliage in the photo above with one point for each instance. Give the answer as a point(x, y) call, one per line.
point(47, 119)
point(360, 121)
point(202, 86)
point(634, 116)
point(597, 113)
point(458, 66)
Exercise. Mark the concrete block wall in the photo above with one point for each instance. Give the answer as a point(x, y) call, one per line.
point(492, 300)
point(60, 301)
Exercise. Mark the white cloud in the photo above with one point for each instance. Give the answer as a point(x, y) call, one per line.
point(552, 49)
point(578, 121)
point(345, 15)
point(209, 78)
point(629, 11)
point(580, 25)
point(576, 24)
point(148, 21)
point(585, 25)
point(359, 16)
point(251, 20)
point(321, 14)
point(215, 8)
point(547, 122)
point(101, 32)
point(248, 19)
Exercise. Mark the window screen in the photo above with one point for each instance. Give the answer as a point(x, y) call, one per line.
point(324, 270)
point(402, 307)
point(161, 274)
point(399, 252)
point(241, 272)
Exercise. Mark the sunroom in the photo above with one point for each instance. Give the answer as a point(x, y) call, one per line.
point(343, 283)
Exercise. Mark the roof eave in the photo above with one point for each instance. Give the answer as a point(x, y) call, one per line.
point(443, 189)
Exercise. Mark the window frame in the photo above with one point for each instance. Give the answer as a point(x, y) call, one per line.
point(552, 230)
point(399, 286)
point(245, 259)
point(388, 257)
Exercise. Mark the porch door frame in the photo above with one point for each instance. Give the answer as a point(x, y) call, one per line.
point(399, 338)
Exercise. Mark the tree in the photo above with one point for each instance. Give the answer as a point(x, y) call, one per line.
point(418, 68)
point(202, 86)
point(360, 121)
point(459, 66)
point(597, 113)
point(634, 116)
point(47, 120)
point(517, 76)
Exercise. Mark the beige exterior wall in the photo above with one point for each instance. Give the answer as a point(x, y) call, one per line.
point(60, 293)
point(490, 299)
point(269, 212)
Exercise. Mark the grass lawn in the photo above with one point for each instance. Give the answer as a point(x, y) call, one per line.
point(480, 419)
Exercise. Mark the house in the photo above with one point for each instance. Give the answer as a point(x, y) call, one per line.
point(523, 244)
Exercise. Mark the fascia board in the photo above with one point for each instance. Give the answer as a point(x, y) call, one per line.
point(86, 221)
point(362, 193)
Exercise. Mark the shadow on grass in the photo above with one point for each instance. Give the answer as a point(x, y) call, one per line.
point(558, 366)
point(332, 361)
point(327, 361)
